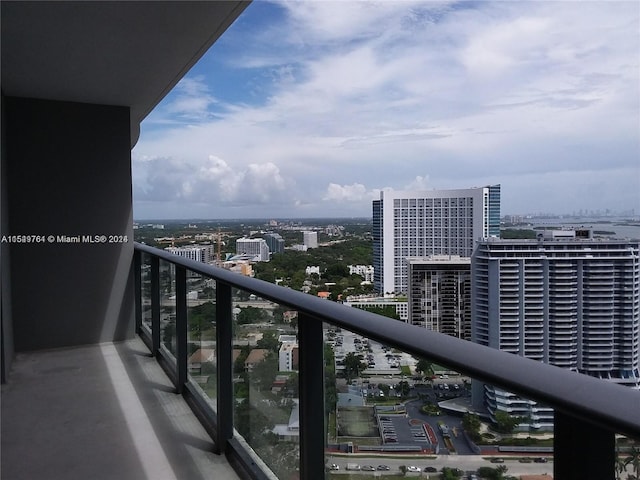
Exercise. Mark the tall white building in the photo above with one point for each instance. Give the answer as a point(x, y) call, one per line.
point(310, 239)
point(256, 248)
point(424, 223)
point(565, 299)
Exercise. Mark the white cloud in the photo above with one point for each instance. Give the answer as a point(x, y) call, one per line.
point(362, 96)
point(349, 193)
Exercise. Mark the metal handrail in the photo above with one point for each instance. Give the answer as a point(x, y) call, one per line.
point(611, 407)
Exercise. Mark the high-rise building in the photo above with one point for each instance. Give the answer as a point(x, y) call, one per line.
point(275, 242)
point(440, 294)
point(565, 299)
point(310, 239)
point(424, 223)
point(254, 247)
point(199, 253)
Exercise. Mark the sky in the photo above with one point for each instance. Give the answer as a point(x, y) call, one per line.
point(312, 108)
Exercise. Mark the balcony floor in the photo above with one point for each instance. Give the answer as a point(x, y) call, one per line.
point(105, 411)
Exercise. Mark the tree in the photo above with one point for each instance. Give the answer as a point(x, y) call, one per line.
point(384, 388)
point(425, 367)
point(251, 315)
point(269, 341)
point(353, 365)
point(201, 318)
point(634, 460)
point(404, 388)
point(506, 423)
point(386, 311)
point(238, 365)
point(501, 470)
point(264, 372)
point(331, 394)
point(450, 473)
point(492, 473)
point(471, 424)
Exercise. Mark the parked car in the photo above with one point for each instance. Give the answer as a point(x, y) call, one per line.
point(412, 468)
point(368, 468)
point(384, 468)
point(333, 466)
point(497, 460)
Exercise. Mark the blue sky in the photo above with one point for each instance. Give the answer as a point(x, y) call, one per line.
point(311, 108)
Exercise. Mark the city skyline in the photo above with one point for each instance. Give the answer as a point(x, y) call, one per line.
point(310, 109)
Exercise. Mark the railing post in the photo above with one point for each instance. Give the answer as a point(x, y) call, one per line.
point(181, 327)
point(312, 428)
point(224, 358)
point(582, 450)
point(155, 305)
point(137, 282)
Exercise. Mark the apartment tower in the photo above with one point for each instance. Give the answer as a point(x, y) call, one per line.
point(425, 223)
point(440, 294)
point(565, 299)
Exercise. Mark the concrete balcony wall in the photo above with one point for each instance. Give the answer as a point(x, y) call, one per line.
point(67, 172)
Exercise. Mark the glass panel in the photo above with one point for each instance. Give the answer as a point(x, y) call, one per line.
point(168, 306)
point(201, 333)
point(398, 414)
point(145, 281)
point(266, 381)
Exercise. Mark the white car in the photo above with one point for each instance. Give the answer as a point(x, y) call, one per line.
point(411, 468)
point(333, 466)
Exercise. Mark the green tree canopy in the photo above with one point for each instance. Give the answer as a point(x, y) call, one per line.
point(353, 366)
point(425, 367)
point(506, 423)
point(252, 315)
point(269, 341)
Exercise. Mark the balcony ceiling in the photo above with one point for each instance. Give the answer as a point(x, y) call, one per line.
point(113, 53)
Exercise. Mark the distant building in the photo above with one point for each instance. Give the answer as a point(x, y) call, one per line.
point(199, 357)
point(424, 223)
point(198, 253)
point(275, 242)
point(289, 316)
point(312, 270)
point(564, 299)
point(290, 431)
point(440, 294)
point(256, 356)
point(256, 248)
point(288, 357)
point(310, 239)
point(365, 271)
point(241, 266)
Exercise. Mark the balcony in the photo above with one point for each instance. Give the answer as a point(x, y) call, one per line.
point(102, 412)
point(600, 411)
point(111, 400)
point(83, 398)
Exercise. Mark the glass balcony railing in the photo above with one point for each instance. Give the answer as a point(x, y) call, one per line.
point(292, 386)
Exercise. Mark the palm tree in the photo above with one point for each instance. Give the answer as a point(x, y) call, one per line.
point(621, 466)
point(634, 460)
